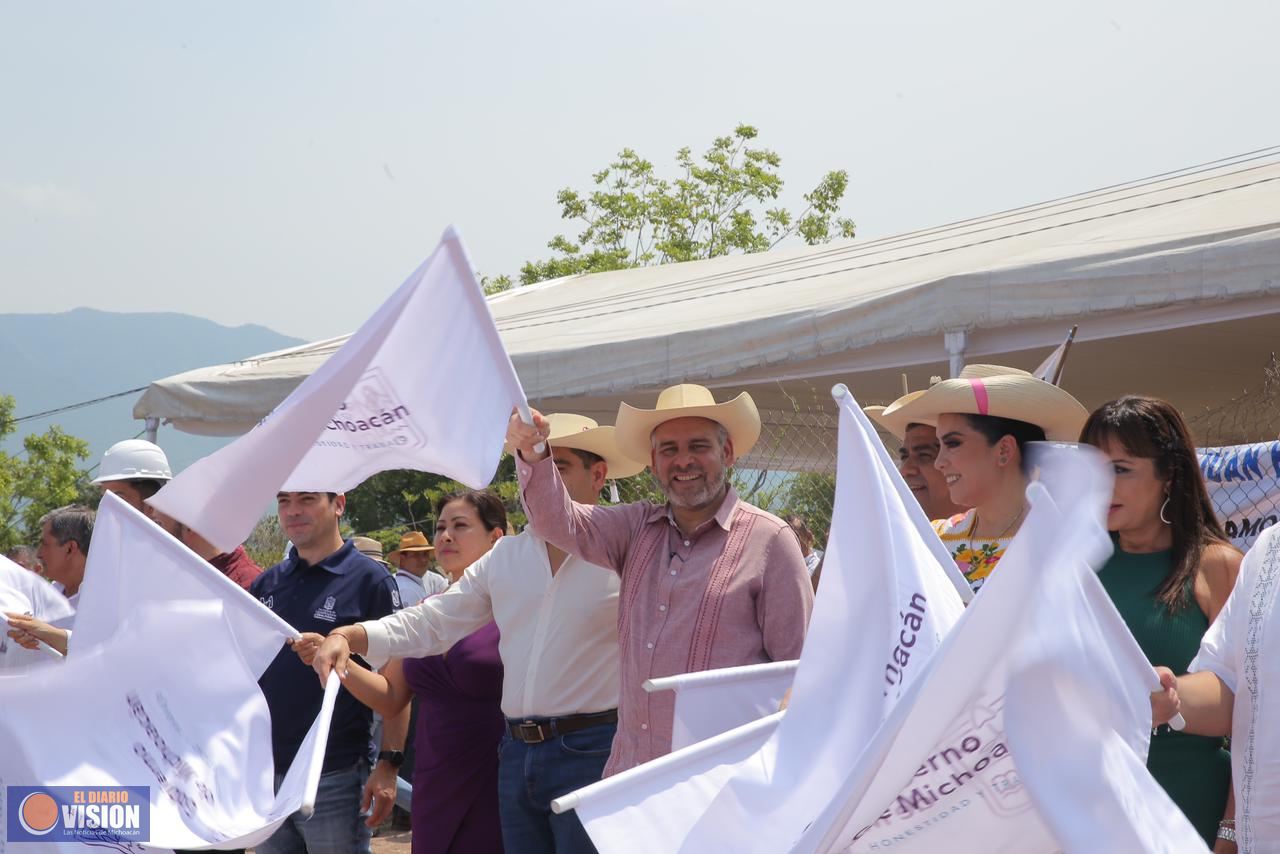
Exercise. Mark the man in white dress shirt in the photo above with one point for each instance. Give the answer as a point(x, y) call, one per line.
point(559, 650)
point(1234, 689)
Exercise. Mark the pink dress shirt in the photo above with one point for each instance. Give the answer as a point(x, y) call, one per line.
point(736, 591)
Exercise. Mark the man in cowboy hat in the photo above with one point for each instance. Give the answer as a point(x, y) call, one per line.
point(708, 581)
point(413, 569)
point(558, 619)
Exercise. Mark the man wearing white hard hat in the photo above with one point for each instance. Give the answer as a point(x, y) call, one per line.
point(558, 619)
point(134, 469)
point(708, 580)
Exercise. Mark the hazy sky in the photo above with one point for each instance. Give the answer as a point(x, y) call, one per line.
point(288, 163)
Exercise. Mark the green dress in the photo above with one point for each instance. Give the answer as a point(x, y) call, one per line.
point(1193, 769)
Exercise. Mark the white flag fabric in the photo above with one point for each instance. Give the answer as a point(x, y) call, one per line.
point(24, 592)
point(1029, 730)
point(885, 604)
point(133, 560)
point(389, 398)
point(152, 707)
point(1050, 369)
point(710, 702)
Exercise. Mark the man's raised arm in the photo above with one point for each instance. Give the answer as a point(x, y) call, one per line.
point(599, 535)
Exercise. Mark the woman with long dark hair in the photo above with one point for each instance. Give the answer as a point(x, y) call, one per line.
point(1170, 575)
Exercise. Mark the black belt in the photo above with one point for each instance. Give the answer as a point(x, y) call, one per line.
point(544, 729)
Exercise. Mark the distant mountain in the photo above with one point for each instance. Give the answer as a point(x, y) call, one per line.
point(53, 360)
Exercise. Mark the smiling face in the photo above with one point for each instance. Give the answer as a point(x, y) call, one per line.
point(690, 462)
point(310, 519)
point(916, 460)
point(968, 462)
point(1139, 490)
point(461, 537)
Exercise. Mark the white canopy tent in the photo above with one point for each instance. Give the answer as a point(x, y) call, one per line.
point(1174, 282)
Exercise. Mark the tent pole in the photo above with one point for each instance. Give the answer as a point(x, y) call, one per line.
point(955, 342)
point(152, 427)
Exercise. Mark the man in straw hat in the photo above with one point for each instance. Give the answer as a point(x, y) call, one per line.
point(558, 619)
point(413, 569)
point(708, 581)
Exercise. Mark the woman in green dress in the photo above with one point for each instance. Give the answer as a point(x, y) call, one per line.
point(1171, 573)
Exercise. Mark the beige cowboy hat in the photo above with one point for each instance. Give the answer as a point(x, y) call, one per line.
point(1019, 396)
point(369, 547)
point(890, 418)
point(411, 541)
point(739, 416)
point(584, 434)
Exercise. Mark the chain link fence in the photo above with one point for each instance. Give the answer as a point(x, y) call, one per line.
point(791, 470)
point(1242, 473)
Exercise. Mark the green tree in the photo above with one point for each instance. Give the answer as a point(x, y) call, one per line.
point(44, 475)
point(724, 202)
point(392, 502)
point(810, 495)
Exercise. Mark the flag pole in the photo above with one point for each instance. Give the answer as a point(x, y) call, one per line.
point(527, 417)
point(1066, 348)
point(322, 741)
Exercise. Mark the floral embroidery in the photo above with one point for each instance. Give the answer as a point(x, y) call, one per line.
point(977, 560)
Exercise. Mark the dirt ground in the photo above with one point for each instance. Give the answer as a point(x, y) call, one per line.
point(392, 842)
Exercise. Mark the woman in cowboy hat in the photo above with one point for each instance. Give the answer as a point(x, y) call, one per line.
point(984, 424)
point(1169, 576)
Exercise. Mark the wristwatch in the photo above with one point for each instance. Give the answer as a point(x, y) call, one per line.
point(395, 757)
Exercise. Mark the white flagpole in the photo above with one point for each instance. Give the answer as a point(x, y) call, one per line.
point(322, 741)
point(527, 417)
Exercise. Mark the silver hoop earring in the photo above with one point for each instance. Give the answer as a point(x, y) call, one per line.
point(1162, 516)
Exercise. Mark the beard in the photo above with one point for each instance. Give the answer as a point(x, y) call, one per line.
point(711, 488)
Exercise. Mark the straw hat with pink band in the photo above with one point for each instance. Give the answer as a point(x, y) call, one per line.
point(890, 417)
point(1018, 396)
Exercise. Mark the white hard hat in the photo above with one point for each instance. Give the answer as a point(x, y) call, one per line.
point(134, 459)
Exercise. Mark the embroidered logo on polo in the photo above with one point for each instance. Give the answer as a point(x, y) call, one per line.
point(395, 599)
point(373, 418)
point(269, 601)
point(325, 612)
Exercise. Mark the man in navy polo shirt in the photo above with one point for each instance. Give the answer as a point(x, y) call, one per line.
point(323, 583)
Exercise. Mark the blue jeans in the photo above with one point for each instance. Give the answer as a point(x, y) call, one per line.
point(336, 826)
point(531, 776)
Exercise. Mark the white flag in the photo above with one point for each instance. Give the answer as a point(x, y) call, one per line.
point(24, 592)
point(392, 397)
point(710, 702)
point(132, 560)
point(154, 708)
point(886, 602)
point(1050, 370)
point(945, 772)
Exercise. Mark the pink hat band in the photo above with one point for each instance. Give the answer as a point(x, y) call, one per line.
point(980, 395)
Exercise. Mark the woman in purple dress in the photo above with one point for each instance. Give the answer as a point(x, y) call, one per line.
point(460, 721)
